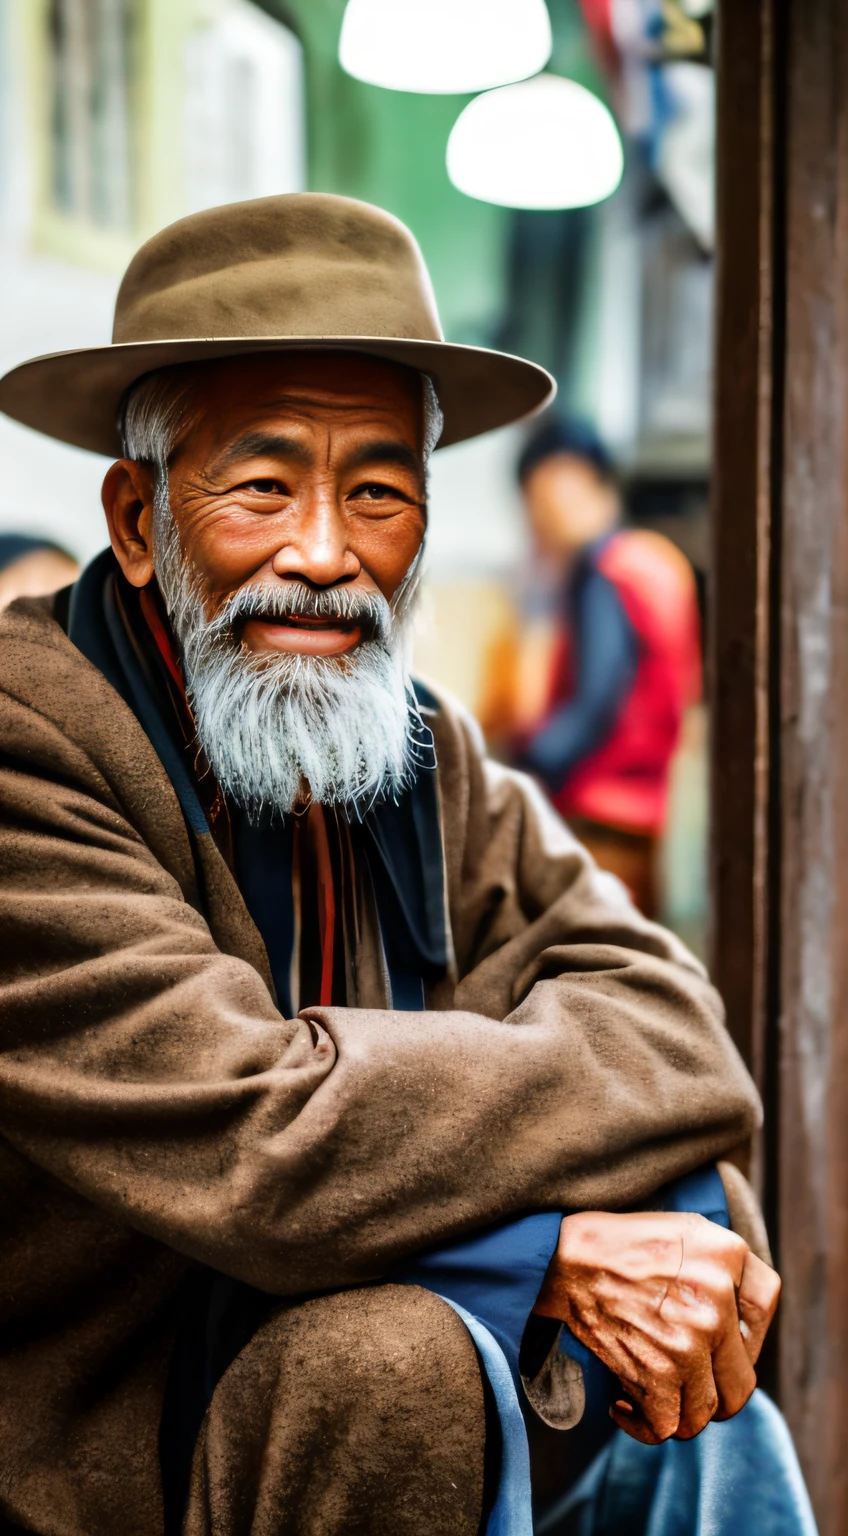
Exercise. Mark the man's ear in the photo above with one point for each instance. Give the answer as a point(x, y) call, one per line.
point(127, 497)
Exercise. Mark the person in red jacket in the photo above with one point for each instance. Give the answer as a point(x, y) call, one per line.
point(624, 658)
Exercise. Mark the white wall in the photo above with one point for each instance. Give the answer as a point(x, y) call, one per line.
point(47, 305)
point(45, 487)
point(476, 525)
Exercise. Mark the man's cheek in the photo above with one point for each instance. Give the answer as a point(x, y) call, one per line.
point(227, 545)
point(387, 549)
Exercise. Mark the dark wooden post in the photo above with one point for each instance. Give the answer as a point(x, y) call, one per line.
point(813, 1092)
point(740, 614)
point(780, 654)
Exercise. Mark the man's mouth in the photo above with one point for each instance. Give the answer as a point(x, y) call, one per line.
point(301, 634)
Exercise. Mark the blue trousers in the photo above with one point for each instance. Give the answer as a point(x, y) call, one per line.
point(739, 1478)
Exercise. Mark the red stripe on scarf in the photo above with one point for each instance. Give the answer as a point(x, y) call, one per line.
point(326, 901)
point(160, 629)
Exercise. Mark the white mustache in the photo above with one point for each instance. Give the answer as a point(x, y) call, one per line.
point(293, 600)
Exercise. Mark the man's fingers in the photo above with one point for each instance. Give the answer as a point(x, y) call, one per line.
point(733, 1372)
point(759, 1293)
point(654, 1402)
point(625, 1415)
point(699, 1401)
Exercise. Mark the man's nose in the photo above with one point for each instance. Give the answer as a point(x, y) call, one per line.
point(317, 548)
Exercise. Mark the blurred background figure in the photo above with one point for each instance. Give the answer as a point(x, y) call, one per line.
point(31, 567)
point(590, 694)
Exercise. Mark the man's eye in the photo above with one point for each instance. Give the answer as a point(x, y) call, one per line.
point(265, 487)
point(374, 491)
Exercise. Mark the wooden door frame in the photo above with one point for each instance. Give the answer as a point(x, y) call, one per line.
point(779, 670)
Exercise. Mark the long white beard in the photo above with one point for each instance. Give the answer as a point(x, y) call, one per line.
point(341, 731)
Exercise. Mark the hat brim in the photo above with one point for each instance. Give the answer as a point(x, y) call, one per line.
point(75, 396)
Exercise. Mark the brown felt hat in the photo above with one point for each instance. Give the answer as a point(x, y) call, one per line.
point(306, 271)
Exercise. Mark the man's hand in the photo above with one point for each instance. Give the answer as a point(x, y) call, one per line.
point(676, 1306)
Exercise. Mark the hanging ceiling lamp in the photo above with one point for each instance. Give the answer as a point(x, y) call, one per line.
point(434, 46)
point(544, 143)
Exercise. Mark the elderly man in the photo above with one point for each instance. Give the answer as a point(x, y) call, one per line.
point(299, 993)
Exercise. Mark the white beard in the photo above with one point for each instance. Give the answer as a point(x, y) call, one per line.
point(279, 729)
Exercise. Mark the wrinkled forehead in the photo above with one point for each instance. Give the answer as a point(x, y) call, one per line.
point(337, 389)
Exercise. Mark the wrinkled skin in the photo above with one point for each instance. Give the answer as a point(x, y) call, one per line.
point(676, 1307)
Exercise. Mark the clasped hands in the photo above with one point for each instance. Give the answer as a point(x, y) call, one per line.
point(673, 1304)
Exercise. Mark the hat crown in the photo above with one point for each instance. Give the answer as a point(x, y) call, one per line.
point(299, 265)
point(306, 270)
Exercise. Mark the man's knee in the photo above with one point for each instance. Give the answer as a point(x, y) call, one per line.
point(401, 1346)
point(361, 1411)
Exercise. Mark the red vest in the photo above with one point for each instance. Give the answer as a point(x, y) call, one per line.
point(625, 782)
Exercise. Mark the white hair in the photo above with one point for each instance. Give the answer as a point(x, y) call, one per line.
point(278, 729)
point(157, 406)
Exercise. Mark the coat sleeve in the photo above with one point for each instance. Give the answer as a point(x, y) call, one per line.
point(152, 1074)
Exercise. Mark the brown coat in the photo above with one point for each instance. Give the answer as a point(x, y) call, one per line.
point(155, 1107)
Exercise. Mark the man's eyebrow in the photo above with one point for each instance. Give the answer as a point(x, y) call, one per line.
point(387, 451)
point(255, 445)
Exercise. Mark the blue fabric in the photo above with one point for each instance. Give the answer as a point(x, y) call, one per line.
point(495, 1275)
point(739, 1478)
point(262, 855)
point(606, 656)
point(701, 1191)
point(492, 1280)
point(511, 1513)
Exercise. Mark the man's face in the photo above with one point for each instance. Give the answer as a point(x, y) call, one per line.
point(301, 467)
point(293, 511)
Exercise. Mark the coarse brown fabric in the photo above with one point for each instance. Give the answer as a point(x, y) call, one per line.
point(354, 1414)
point(156, 1109)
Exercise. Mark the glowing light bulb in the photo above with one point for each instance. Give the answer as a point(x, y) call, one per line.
point(544, 143)
point(442, 46)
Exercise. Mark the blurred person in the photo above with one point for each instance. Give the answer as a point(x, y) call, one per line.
point(303, 1113)
point(610, 659)
point(32, 567)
